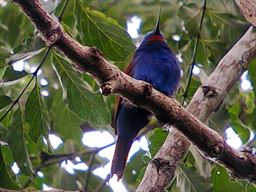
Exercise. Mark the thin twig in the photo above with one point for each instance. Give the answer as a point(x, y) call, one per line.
point(58, 158)
point(34, 74)
point(63, 10)
point(103, 184)
point(92, 157)
point(37, 69)
point(185, 94)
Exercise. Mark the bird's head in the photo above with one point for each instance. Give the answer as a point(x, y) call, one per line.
point(154, 36)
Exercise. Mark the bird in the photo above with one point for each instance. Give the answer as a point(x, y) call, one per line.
point(152, 62)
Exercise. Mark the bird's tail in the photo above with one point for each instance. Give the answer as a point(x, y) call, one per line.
point(123, 146)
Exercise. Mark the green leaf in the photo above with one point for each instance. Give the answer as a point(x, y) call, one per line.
point(194, 85)
point(31, 46)
point(156, 140)
point(4, 101)
point(190, 13)
point(249, 101)
point(222, 181)
point(252, 74)
point(14, 33)
point(64, 180)
point(4, 53)
point(202, 165)
point(78, 94)
point(3, 135)
point(203, 53)
point(249, 187)
point(36, 114)
point(24, 56)
point(96, 29)
point(11, 76)
point(65, 123)
point(239, 127)
point(190, 181)
point(16, 142)
point(7, 176)
point(133, 170)
point(96, 181)
point(2, 71)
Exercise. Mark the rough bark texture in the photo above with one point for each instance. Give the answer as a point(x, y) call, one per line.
point(205, 101)
point(248, 9)
point(166, 109)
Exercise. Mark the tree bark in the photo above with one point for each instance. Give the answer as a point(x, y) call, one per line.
point(166, 109)
point(202, 107)
point(205, 101)
point(248, 9)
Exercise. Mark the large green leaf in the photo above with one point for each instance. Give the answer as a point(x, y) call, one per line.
point(4, 53)
point(133, 170)
point(36, 114)
point(190, 13)
point(11, 76)
point(190, 181)
point(252, 74)
point(156, 140)
point(17, 24)
point(16, 142)
point(194, 85)
point(4, 101)
point(3, 135)
point(201, 164)
point(249, 98)
point(96, 29)
point(65, 123)
point(240, 128)
point(7, 178)
point(31, 46)
point(222, 182)
point(79, 96)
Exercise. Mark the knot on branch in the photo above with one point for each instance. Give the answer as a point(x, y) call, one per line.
point(53, 36)
point(95, 56)
point(147, 90)
point(161, 165)
point(217, 150)
point(249, 153)
point(107, 88)
point(110, 85)
point(95, 52)
point(209, 91)
point(157, 189)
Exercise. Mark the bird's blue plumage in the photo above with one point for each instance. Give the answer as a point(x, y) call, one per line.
point(154, 63)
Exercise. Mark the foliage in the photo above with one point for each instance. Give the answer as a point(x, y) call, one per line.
point(70, 103)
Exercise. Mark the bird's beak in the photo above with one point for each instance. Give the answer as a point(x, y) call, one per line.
point(157, 29)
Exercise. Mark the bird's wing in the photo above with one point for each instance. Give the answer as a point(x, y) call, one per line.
point(119, 100)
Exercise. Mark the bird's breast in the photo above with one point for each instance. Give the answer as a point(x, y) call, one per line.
point(160, 68)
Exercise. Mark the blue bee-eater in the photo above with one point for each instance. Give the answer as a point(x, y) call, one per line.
point(154, 63)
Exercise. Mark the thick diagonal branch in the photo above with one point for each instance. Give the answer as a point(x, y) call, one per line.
point(219, 83)
point(205, 101)
point(166, 109)
point(248, 9)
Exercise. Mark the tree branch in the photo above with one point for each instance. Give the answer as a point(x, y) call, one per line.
point(205, 101)
point(248, 9)
point(227, 72)
point(166, 109)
